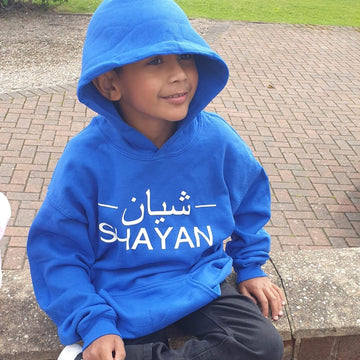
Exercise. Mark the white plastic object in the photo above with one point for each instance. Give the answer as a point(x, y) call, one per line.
point(71, 352)
point(5, 213)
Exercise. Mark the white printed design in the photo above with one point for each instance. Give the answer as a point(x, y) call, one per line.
point(193, 237)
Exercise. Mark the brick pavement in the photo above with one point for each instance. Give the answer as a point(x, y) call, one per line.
point(293, 95)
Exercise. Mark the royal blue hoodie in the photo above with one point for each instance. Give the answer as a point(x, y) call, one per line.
point(130, 237)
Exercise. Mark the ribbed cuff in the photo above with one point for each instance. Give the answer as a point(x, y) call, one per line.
point(100, 328)
point(249, 272)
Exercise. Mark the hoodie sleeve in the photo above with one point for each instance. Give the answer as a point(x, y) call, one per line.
point(61, 256)
point(251, 202)
point(250, 243)
point(60, 270)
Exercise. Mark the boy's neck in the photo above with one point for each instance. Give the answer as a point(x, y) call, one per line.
point(158, 132)
point(159, 135)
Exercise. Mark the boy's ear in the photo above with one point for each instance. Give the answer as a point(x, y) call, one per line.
point(108, 85)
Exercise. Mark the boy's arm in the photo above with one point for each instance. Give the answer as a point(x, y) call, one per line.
point(250, 246)
point(60, 257)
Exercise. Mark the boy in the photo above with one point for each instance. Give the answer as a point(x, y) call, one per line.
point(129, 239)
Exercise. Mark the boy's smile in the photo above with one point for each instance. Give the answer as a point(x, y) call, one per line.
point(177, 98)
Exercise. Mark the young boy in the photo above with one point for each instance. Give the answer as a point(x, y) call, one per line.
point(129, 239)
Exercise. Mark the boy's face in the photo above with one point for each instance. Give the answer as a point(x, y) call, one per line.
point(159, 88)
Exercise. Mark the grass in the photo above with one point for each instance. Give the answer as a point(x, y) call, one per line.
point(79, 6)
point(314, 12)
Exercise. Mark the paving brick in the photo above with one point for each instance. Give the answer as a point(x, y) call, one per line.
point(353, 242)
point(288, 349)
point(19, 176)
point(318, 348)
point(14, 258)
point(296, 240)
point(34, 185)
point(340, 232)
point(337, 348)
point(349, 348)
point(319, 237)
point(342, 220)
point(25, 216)
point(338, 242)
point(323, 190)
point(17, 241)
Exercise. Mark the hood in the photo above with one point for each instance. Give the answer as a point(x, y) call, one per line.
point(125, 31)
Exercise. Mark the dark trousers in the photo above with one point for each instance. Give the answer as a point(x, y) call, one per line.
point(229, 328)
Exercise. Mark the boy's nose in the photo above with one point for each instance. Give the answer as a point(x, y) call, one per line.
point(176, 71)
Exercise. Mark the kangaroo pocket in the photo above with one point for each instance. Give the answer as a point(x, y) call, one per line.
point(147, 309)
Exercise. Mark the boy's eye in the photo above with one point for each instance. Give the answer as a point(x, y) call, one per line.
point(186, 57)
point(155, 61)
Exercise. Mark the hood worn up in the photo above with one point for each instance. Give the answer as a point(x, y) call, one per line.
point(138, 29)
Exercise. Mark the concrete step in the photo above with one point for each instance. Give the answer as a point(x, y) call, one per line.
point(322, 319)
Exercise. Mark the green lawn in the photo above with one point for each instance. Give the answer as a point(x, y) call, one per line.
point(315, 12)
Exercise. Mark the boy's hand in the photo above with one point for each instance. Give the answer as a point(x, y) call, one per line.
point(107, 347)
point(261, 290)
